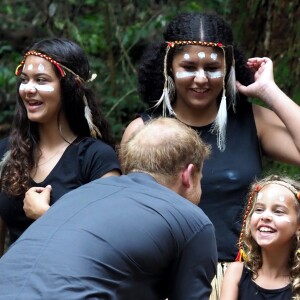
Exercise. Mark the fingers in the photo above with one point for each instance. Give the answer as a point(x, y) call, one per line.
point(36, 201)
point(35, 189)
point(256, 62)
point(39, 189)
point(47, 189)
point(240, 87)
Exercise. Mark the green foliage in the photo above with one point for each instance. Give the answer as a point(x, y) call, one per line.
point(114, 33)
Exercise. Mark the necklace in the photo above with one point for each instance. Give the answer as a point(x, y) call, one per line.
point(43, 163)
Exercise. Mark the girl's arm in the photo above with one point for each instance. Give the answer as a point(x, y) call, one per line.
point(277, 127)
point(230, 288)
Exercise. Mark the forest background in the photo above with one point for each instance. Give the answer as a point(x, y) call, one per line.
point(115, 33)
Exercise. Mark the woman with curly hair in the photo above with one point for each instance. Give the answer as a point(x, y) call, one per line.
point(59, 138)
point(199, 76)
point(269, 244)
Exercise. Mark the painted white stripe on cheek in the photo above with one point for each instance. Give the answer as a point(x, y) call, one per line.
point(41, 88)
point(287, 219)
point(214, 74)
point(201, 73)
point(185, 74)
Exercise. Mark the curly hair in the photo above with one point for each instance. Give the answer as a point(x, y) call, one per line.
point(253, 250)
point(187, 27)
point(24, 136)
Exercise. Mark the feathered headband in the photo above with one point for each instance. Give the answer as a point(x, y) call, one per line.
point(94, 131)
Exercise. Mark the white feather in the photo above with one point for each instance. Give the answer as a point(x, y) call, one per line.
point(220, 123)
point(231, 87)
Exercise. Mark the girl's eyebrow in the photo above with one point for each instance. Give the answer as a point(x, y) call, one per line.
point(36, 74)
point(214, 62)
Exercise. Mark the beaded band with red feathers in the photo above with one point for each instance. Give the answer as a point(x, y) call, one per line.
point(35, 53)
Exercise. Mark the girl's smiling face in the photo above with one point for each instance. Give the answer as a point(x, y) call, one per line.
point(40, 90)
point(274, 220)
point(198, 73)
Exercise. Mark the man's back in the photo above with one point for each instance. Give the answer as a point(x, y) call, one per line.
point(116, 238)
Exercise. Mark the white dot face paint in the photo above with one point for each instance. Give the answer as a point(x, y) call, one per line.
point(30, 67)
point(41, 67)
point(186, 56)
point(40, 88)
point(201, 55)
point(214, 56)
point(259, 195)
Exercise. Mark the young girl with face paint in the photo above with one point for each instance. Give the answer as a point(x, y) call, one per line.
point(269, 244)
point(198, 75)
point(59, 138)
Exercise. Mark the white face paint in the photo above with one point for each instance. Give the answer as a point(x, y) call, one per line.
point(214, 56)
point(40, 88)
point(186, 56)
point(30, 67)
point(201, 73)
point(287, 219)
point(201, 55)
point(41, 67)
point(259, 195)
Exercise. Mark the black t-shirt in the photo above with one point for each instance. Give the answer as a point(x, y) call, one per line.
point(125, 238)
point(227, 176)
point(84, 160)
point(249, 290)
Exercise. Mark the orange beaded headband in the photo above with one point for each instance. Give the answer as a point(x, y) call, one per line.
point(241, 253)
point(59, 66)
point(198, 43)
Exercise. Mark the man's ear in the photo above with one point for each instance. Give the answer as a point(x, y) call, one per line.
point(187, 176)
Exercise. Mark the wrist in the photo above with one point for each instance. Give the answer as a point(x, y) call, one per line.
point(268, 92)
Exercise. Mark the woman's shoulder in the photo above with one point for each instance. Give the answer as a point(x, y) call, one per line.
point(131, 128)
point(230, 284)
point(234, 271)
point(236, 267)
point(90, 145)
point(92, 154)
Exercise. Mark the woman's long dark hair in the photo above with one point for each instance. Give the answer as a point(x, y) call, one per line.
point(24, 136)
point(187, 27)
